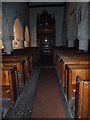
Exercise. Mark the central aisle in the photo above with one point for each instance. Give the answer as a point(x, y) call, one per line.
point(48, 101)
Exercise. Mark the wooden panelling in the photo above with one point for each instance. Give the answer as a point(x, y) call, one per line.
point(82, 100)
point(72, 72)
point(20, 64)
point(9, 83)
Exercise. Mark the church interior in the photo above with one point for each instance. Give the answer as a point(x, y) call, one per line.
point(44, 60)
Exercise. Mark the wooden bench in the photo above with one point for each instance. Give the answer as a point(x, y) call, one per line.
point(72, 71)
point(60, 62)
point(61, 49)
point(32, 51)
point(70, 60)
point(28, 61)
point(19, 63)
point(9, 83)
point(82, 99)
point(66, 54)
point(27, 55)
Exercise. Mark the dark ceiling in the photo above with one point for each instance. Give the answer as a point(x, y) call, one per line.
point(45, 4)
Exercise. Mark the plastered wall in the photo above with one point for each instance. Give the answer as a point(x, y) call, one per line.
point(76, 24)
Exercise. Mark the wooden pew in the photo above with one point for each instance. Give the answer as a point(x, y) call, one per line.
point(32, 51)
point(61, 59)
point(73, 70)
point(82, 98)
point(27, 55)
point(28, 62)
point(9, 83)
point(19, 63)
point(67, 52)
point(70, 60)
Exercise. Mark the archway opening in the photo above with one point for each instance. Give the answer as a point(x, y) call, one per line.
point(18, 35)
point(27, 37)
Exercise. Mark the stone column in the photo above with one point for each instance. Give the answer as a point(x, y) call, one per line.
point(70, 43)
point(7, 42)
point(83, 44)
point(26, 43)
point(8, 46)
point(83, 31)
point(21, 44)
point(71, 31)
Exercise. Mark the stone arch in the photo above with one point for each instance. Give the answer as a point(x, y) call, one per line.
point(18, 34)
point(27, 37)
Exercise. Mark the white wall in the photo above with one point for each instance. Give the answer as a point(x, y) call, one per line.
point(58, 13)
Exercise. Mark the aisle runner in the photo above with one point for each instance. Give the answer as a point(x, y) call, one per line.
point(23, 107)
point(48, 102)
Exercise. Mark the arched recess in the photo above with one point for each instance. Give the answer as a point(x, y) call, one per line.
point(6, 39)
point(18, 35)
point(27, 37)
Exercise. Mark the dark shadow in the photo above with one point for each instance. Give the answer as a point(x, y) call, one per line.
point(76, 43)
point(45, 59)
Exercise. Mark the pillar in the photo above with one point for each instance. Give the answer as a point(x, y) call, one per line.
point(83, 32)
point(83, 44)
point(7, 43)
point(26, 43)
point(7, 46)
point(21, 44)
point(70, 43)
point(71, 30)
